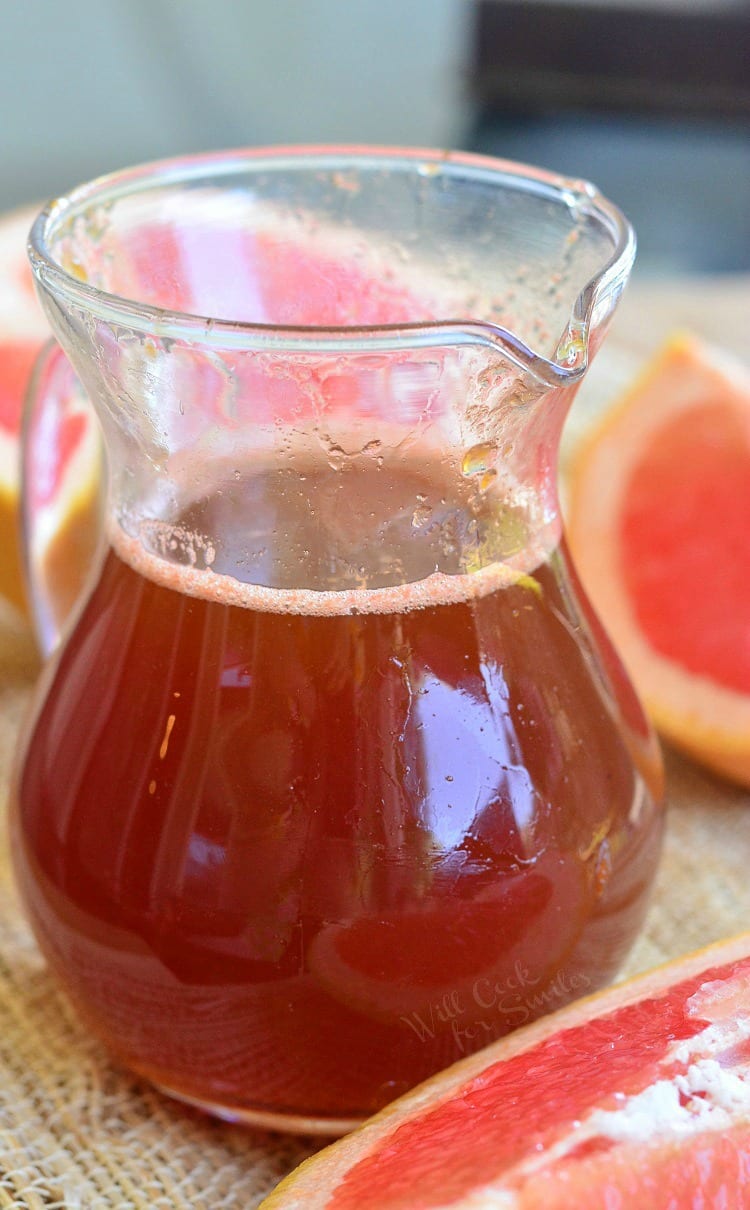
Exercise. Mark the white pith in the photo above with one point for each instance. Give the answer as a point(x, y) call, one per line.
point(701, 1097)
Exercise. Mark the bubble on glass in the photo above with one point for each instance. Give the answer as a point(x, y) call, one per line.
point(177, 544)
point(479, 458)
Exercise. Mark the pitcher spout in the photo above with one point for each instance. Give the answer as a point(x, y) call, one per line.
point(231, 314)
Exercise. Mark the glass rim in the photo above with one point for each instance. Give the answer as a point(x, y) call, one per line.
point(226, 333)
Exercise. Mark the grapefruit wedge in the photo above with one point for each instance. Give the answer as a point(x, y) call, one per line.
point(636, 1097)
point(659, 525)
point(23, 331)
point(62, 494)
point(62, 480)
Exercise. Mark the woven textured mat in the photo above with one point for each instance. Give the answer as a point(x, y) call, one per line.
point(78, 1132)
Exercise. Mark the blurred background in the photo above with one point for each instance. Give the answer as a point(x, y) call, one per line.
point(648, 98)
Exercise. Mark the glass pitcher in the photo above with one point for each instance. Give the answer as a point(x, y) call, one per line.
point(335, 776)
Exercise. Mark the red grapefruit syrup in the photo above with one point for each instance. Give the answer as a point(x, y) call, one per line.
point(292, 850)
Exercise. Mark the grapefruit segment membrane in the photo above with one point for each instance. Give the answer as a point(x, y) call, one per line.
point(636, 1096)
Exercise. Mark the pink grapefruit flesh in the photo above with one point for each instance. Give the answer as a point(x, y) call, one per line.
point(638, 1096)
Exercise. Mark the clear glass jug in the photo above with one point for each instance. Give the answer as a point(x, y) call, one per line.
point(335, 777)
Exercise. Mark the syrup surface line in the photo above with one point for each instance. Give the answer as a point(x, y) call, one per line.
point(439, 588)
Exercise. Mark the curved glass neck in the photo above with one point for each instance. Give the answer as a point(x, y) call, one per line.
point(304, 248)
point(243, 320)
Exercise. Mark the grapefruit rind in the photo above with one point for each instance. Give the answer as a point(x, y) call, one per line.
point(708, 721)
point(314, 1183)
point(11, 572)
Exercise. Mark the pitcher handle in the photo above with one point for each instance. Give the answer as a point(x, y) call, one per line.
point(62, 494)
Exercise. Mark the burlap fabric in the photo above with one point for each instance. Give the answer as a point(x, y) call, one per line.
point(78, 1133)
point(75, 1131)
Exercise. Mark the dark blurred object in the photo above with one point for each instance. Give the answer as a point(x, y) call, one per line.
point(532, 54)
point(684, 184)
point(651, 103)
